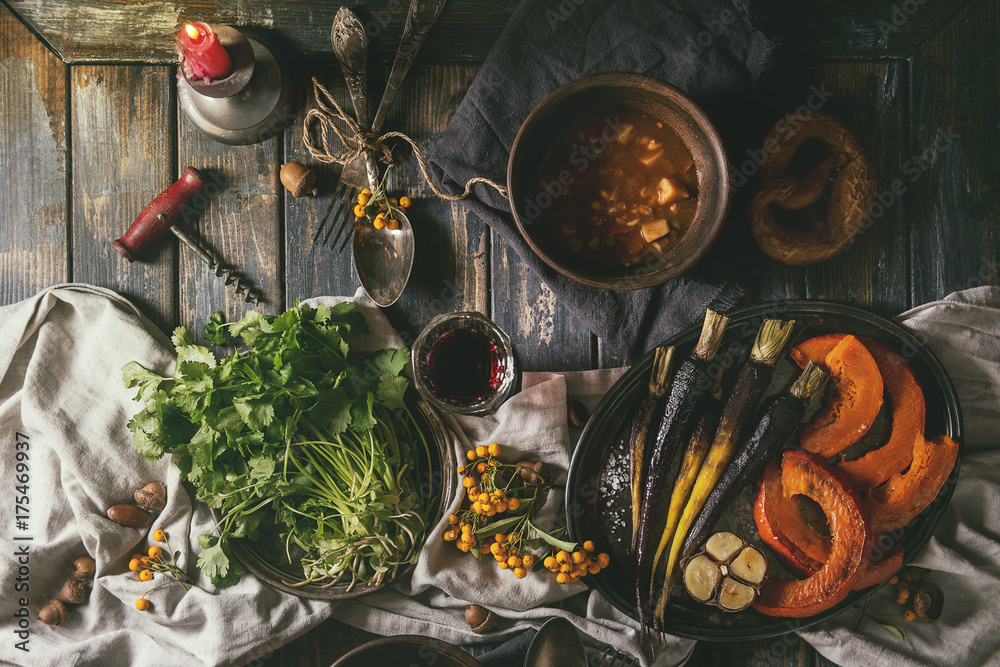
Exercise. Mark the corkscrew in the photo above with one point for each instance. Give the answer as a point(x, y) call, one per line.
point(161, 215)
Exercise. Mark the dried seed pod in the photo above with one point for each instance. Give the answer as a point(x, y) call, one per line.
point(53, 613)
point(84, 567)
point(532, 471)
point(577, 413)
point(130, 515)
point(152, 497)
point(727, 572)
point(928, 602)
point(298, 179)
point(74, 591)
point(480, 619)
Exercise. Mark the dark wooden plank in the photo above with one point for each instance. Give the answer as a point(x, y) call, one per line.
point(33, 163)
point(242, 225)
point(545, 335)
point(123, 147)
point(953, 157)
point(849, 28)
point(449, 271)
point(871, 99)
point(96, 30)
point(310, 268)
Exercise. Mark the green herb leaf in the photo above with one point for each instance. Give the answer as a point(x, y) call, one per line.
point(558, 544)
point(392, 391)
point(890, 627)
point(499, 526)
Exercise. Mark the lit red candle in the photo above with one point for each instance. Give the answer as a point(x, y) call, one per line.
point(203, 54)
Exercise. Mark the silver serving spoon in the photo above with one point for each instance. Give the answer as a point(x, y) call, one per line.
point(557, 644)
point(383, 258)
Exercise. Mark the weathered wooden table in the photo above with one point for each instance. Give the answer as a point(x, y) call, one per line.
point(90, 132)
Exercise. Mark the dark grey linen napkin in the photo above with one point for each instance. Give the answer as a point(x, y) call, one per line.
point(708, 48)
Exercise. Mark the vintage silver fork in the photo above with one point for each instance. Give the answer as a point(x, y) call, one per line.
point(421, 17)
point(615, 658)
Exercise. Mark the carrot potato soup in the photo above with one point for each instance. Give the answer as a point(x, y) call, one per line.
point(622, 185)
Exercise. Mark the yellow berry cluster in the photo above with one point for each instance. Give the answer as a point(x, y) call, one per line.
point(381, 206)
point(491, 489)
point(570, 566)
point(154, 561)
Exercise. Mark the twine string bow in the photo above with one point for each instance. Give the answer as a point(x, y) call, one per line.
point(328, 120)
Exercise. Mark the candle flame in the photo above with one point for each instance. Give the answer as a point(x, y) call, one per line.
point(192, 31)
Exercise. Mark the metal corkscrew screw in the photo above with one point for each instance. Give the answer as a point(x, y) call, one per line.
point(160, 216)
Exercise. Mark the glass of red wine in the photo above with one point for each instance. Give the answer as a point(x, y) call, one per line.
point(463, 363)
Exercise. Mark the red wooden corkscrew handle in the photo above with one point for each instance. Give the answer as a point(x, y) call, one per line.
point(160, 214)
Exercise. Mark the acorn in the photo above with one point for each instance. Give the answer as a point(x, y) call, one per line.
point(152, 497)
point(480, 619)
point(74, 591)
point(53, 613)
point(298, 179)
point(129, 515)
point(84, 567)
point(531, 471)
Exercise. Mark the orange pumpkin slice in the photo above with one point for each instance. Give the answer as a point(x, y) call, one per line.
point(907, 416)
point(807, 474)
point(853, 404)
point(906, 494)
point(784, 529)
point(882, 570)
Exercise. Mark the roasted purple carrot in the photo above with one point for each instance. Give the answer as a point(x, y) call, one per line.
point(646, 423)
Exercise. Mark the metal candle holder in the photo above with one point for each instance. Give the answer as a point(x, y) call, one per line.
point(248, 106)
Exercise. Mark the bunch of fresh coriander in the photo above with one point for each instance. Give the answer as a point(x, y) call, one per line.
point(297, 429)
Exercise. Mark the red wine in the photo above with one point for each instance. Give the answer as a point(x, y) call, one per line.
point(465, 366)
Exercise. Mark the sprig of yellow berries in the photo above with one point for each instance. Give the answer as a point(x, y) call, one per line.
point(495, 488)
point(379, 206)
point(155, 561)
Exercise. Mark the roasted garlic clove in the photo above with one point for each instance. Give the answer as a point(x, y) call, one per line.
point(701, 578)
point(735, 595)
point(749, 566)
point(723, 546)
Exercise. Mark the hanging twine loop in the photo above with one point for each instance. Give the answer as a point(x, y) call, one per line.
point(327, 123)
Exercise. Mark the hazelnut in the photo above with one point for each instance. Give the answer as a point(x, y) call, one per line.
point(152, 497)
point(84, 567)
point(480, 619)
point(129, 515)
point(74, 591)
point(576, 413)
point(298, 179)
point(53, 613)
point(928, 602)
point(531, 472)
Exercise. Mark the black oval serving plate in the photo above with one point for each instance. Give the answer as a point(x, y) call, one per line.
point(597, 490)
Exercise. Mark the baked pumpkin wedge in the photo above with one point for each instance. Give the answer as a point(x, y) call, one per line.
point(908, 410)
point(808, 474)
point(882, 570)
point(784, 529)
point(854, 402)
point(906, 494)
